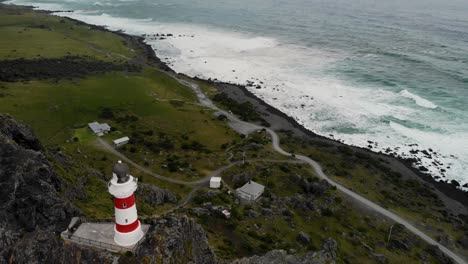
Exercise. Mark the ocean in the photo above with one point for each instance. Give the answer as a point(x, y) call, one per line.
point(391, 76)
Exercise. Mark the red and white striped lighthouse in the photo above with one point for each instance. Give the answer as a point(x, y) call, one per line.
point(122, 186)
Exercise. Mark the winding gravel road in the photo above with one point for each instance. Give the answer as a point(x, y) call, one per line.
point(245, 128)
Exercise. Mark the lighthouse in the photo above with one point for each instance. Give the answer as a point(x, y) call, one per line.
point(122, 186)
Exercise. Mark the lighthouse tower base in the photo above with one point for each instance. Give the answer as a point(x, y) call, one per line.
point(100, 235)
point(129, 238)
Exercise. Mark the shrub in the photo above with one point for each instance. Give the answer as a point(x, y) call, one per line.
point(106, 113)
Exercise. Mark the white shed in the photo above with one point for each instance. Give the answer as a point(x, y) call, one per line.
point(226, 214)
point(121, 141)
point(215, 182)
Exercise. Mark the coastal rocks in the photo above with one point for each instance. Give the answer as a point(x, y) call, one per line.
point(155, 196)
point(456, 183)
point(176, 240)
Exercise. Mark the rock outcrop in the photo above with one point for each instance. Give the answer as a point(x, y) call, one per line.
point(154, 195)
point(32, 212)
point(176, 240)
point(281, 257)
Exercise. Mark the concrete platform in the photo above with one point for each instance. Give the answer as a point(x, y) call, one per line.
point(100, 235)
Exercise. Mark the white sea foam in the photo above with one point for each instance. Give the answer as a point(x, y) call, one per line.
point(419, 101)
point(293, 79)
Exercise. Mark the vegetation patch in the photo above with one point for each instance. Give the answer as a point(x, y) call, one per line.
point(69, 67)
point(245, 110)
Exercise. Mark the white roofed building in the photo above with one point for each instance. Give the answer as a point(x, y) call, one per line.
point(121, 141)
point(250, 191)
point(99, 129)
point(215, 182)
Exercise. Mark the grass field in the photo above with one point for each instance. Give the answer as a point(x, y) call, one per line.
point(34, 35)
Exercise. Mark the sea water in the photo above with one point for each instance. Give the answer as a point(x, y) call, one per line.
point(391, 76)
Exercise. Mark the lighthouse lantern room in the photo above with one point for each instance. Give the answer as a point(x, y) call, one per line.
point(122, 186)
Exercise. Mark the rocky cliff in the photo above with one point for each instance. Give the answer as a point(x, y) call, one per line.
point(32, 212)
point(176, 240)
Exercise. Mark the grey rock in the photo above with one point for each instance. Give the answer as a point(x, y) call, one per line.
point(303, 238)
point(267, 212)
point(176, 240)
point(240, 179)
point(154, 195)
point(329, 248)
point(281, 257)
point(367, 246)
point(21, 134)
point(446, 241)
point(253, 214)
point(439, 255)
point(463, 242)
point(398, 244)
point(379, 257)
point(200, 211)
point(212, 193)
